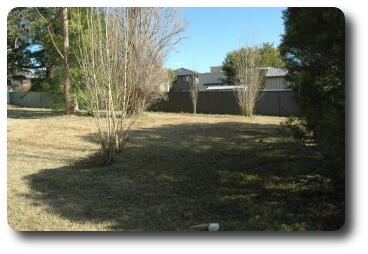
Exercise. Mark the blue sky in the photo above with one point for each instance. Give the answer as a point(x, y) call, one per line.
point(213, 32)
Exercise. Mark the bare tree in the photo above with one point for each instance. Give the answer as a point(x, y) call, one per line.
point(121, 56)
point(194, 92)
point(248, 78)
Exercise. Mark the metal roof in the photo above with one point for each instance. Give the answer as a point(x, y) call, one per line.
point(214, 88)
point(223, 87)
point(27, 74)
point(183, 71)
point(211, 78)
point(275, 72)
point(215, 77)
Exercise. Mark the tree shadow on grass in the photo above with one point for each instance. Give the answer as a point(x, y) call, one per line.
point(244, 176)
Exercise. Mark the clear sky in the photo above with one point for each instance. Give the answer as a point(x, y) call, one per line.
point(215, 31)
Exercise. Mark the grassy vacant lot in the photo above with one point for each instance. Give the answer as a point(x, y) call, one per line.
point(177, 170)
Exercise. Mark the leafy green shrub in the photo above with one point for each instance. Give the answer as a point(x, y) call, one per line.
point(296, 127)
point(316, 71)
point(58, 104)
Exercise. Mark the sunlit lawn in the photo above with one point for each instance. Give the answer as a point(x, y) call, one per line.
point(177, 170)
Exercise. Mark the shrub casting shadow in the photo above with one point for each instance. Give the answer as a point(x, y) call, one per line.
point(175, 176)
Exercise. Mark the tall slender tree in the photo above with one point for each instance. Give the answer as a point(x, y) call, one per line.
point(69, 105)
point(249, 79)
point(194, 92)
point(64, 56)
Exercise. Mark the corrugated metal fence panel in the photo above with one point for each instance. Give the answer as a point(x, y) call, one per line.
point(219, 102)
point(268, 103)
point(46, 100)
point(31, 99)
point(288, 105)
point(224, 102)
point(216, 102)
point(176, 102)
point(210, 103)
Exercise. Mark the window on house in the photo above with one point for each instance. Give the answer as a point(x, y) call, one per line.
point(184, 79)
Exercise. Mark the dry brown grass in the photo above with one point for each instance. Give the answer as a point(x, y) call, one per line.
point(177, 170)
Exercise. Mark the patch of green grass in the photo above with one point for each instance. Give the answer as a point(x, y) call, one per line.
point(176, 171)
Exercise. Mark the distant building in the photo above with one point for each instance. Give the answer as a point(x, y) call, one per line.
point(216, 69)
point(275, 79)
point(21, 81)
point(215, 79)
point(184, 80)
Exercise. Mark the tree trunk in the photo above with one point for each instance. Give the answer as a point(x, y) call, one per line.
point(69, 107)
point(50, 71)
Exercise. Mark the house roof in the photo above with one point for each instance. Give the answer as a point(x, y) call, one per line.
point(26, 74)
point(211, 78)
point(216, 77)
point(275, 72)
point(214, 88)
point(183, 71)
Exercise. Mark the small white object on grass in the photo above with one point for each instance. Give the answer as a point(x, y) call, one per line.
point(207, 227)
point(213, 227)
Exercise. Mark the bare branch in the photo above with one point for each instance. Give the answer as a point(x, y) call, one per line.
point(121, 55)
point(47, 25)
point(249, 78)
